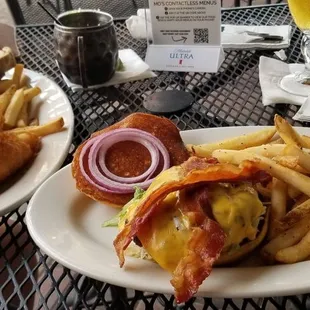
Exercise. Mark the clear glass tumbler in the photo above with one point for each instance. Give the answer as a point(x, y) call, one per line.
point(299, 83)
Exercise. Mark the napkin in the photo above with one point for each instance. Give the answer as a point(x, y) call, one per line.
point(271, 71)
point(303, 114)
point(135, 69)
point(8, 38)
point(139, 25)
point(233, 37)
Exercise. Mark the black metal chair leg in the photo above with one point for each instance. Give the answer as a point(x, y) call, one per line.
point(68, 5)
point(135, 4)
point(16, 11)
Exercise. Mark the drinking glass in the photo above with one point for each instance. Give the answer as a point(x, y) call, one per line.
point(299, 83)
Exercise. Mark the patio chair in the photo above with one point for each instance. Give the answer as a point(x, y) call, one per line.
point(28, 11)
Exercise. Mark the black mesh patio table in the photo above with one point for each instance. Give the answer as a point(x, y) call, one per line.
point(29, 279)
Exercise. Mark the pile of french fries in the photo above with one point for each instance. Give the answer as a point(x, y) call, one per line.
point(15, 99)
point(285, 155)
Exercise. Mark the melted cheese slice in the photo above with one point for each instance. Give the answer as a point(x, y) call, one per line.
point(166, 237)
point(237, 210)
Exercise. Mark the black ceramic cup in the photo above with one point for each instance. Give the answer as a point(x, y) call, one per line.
point(86, 46)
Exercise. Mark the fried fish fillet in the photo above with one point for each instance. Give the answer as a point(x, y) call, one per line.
point(128, 159)
point(16, 151)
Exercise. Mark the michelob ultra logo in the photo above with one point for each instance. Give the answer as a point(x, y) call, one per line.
point(181, 55)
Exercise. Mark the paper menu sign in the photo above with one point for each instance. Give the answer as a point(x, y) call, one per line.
point(186, 35)
point(186, 22)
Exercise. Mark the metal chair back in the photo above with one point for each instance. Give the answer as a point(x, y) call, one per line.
point(28, 12)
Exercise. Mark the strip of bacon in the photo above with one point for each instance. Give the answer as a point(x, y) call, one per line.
point(203, 249)
point(204, 246)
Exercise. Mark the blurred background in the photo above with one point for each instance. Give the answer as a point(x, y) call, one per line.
point(28, 12)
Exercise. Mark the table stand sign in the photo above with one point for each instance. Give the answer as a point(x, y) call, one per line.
point(186, 35)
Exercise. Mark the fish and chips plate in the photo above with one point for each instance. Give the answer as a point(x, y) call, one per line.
point(36, 129)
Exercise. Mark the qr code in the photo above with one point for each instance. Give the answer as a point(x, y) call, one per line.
point(201, 35)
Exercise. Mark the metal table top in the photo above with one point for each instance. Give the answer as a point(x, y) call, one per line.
point(31, 280)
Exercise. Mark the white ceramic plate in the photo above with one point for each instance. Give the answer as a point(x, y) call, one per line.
point(50, 104)
point(66, 225)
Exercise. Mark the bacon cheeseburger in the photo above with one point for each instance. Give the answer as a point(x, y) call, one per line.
point(192, 217)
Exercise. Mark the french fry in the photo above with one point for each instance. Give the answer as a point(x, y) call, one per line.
point(295, 253)
point(267, 150)
point(237, 143)
point(278, 204)
point(21, 123)
point(306, 139)
point(290, 162)
point(42, 130)
point(285, 240)
point(299, 200)
point(289, 176)
point(303, 157)
point(24, 81)
point(4, 85)
point(288, 133)
point(34, 122)
point(294, 216)
point(286, 161)
point(18, 70)
point(277, 141)
point(5, 98)
point(293, 192)
point(23, 116)
point(31, 93)
point(13, 109)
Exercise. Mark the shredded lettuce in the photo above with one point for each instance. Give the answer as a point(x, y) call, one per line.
point(113, 222)
point(138, 252)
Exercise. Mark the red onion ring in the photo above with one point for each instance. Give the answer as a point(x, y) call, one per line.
point(127, 134)
point(106, 180)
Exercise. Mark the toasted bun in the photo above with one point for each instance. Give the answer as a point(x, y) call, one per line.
point(160, 127)
point(245, 249)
